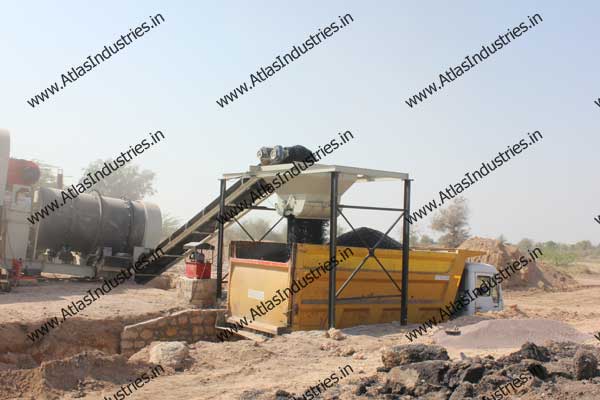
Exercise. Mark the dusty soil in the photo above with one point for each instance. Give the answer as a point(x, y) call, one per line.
point(45, 300)
point(576, 306)
point(242, 369)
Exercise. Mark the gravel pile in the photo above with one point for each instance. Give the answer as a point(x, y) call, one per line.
point(510, 333)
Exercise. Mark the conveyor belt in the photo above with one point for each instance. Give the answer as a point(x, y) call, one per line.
point(198, 228)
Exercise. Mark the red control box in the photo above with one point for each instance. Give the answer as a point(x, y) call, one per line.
point(197, 270)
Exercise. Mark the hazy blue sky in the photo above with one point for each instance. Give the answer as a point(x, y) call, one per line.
point(357, 80)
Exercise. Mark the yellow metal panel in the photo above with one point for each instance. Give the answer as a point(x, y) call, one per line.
point(434, 277)
point(252, 282)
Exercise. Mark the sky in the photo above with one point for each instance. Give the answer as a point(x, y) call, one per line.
point(169, 80)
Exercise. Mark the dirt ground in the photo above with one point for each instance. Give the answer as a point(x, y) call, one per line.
point(249, 370)
point(45, 300)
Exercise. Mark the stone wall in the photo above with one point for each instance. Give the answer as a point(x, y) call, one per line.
point(187, 325)
point(198, 292)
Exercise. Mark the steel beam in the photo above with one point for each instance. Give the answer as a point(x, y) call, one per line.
point(370, 208)
point(405, 251)
point(221, 224)
point(332, 247)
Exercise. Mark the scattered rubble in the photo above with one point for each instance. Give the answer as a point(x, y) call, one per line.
point(418, 371)
point(335, 334)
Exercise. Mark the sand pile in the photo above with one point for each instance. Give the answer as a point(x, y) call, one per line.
point(510, 333)
point(535, 274)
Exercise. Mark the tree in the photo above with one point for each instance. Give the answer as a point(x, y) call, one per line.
point(413, 234)
point(257, 227)
point(550, 245)
point(558, 257)
point(452, 221)
point(501, 239)
point(170, 223)
point(127, 182)
point(525, 244)
point(583, 246)
point(427, 241)
point(341, 229)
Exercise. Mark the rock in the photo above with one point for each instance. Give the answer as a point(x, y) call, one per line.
point(437, 395)
point(536, 369)
point(560, 368)
point(170, 354)
point(360, 389)
point(473, 374)
point(402, 380)
point(528, 368)
point(6, 367)
point(345, 351)
point(142, 355)
point(251, 394)
point(283, 395)
point(454, 376)
point(430, 371)
point(491, 382)
point(19, 360)
point(328, 346)
point(335, 334)
point(411, 353)
point(421, 377)
point(464, 391)
point(585, 365)
point(562, 349)
point(374, 391)
point(528, 351)
point(363, 385)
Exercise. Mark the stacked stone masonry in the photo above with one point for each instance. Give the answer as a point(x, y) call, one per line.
point(198, 292)
point(187, 325)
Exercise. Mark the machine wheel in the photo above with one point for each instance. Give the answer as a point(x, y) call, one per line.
point(5, 284)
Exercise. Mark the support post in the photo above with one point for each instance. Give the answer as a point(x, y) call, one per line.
point(332, 247)
point(405, 254)
point(221, 223)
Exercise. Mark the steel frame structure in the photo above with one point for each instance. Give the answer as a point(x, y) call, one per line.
point(334, 172)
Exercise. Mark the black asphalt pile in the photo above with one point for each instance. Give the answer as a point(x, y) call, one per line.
point(369, 237)
point(560, 370)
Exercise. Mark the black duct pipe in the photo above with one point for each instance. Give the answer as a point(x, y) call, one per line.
point(302, 230)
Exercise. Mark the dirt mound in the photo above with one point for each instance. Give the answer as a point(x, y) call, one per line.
point(534, 274)
point(83, 372)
